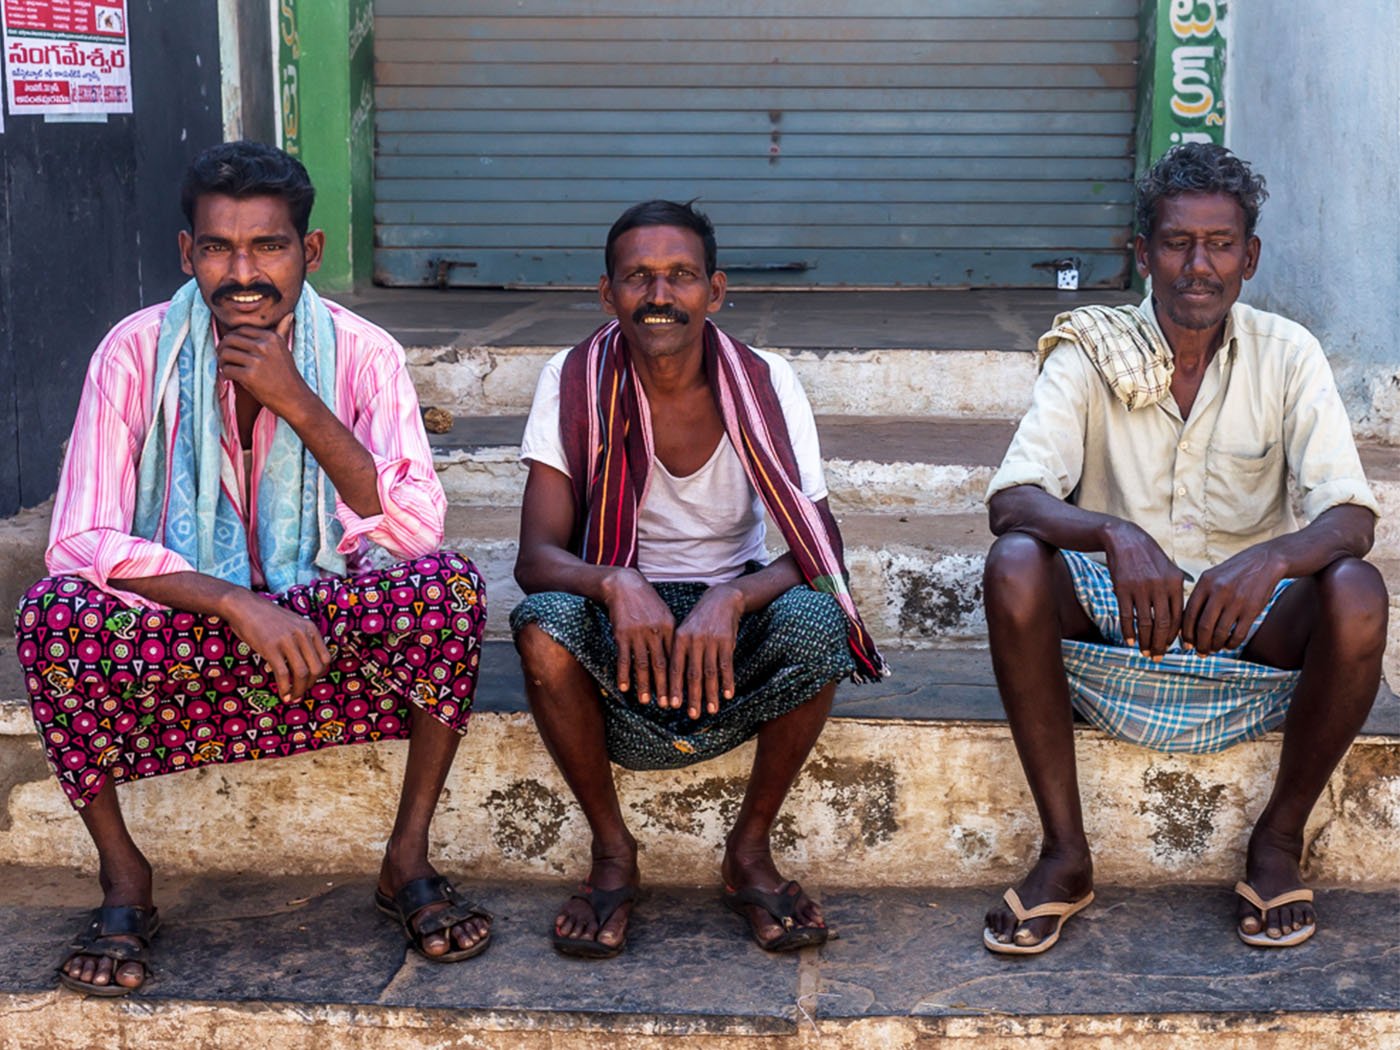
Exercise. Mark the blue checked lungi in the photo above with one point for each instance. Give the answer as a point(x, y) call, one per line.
point(1184, 703)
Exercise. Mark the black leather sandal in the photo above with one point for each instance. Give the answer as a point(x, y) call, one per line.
point(417, 894)
point(98, 940)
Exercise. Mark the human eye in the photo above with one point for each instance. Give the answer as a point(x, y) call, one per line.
point(637, 278)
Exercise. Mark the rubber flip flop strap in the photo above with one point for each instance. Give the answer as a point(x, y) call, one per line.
point(780, 904)
point(1050, 909)
point(605, 902)
point(1300, 896)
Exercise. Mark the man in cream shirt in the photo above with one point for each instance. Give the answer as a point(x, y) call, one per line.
point(1149, 571)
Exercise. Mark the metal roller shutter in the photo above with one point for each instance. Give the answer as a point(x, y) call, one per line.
point(876, 143)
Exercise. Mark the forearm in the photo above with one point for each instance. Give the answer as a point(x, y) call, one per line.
point(347, 463)
point(188, 591)
point(1339, 532)
point(759, 589)
point(549, 568)
point(1033, 511)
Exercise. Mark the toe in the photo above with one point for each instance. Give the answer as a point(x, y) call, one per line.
point(614, 931)
point(468, 934)
point(434, 944)
point(131, 975)
point(765, 929)
point(1031, 933)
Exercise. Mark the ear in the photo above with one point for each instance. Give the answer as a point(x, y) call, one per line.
point(186, 243)
point(1251, 257)
point(1140, 254)
point(313, 246)
point(605, 295)
point(718, 285)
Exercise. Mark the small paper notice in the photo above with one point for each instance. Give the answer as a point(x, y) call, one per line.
point(66, 56)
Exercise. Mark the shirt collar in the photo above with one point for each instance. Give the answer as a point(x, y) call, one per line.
point(1228, 340)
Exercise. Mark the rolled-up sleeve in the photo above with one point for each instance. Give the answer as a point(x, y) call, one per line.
point(388, 424)
point(90, 534)
point(1317, 438)
point(1048, 449)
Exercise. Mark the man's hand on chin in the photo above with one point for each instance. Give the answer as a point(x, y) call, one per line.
point(259, 360)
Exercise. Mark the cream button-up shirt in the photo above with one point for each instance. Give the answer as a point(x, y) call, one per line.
point(1208, 486)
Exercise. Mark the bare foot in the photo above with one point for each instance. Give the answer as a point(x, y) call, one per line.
point(1272, 867)
point(753, 868)
point(395, 873)
point(614, 869)
point(130, 888)
point(1058, 876)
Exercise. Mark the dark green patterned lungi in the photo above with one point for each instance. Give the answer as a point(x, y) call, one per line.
point(783, 655)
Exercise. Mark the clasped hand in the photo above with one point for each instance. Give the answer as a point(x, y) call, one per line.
point(691, 665)
point(1149, 587)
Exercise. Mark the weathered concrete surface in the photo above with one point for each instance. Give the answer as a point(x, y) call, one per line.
point(306, 962)
point(500, 380)
point(50, 1021)
point(1001, 319)
point(881, 801)
point(22, 541)
point(881, 464)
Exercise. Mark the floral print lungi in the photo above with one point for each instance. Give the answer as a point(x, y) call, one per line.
point(121, 694)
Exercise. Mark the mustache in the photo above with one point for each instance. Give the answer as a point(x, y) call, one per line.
point(258, 288)
point(651, 310)
point(1191, 284)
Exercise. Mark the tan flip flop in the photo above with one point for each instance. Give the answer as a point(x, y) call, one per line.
point(1060, 910)
point(1262, 939)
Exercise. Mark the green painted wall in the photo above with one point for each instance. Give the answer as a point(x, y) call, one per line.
point(325, 72)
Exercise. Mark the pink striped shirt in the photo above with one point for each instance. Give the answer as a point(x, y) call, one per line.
point(91, 531)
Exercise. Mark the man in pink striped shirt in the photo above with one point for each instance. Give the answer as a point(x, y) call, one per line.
point(243, 458)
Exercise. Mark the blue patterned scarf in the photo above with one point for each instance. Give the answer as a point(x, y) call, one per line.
point(182, 498)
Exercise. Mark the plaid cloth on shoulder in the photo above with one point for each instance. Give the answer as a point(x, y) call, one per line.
point(1186, 702)
point(1125, 347)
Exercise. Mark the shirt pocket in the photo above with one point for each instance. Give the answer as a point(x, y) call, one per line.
point(1246, 494)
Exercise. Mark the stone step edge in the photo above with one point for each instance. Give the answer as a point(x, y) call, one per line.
point(500, 380)
point(48, 1021)
point(874, 803)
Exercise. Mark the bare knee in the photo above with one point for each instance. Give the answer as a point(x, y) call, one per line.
point(1018, 580)
point(544, 661)
point(1354, 607)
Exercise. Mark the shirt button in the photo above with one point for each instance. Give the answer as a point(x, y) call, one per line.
point(1181, 491)
point(1185, 446)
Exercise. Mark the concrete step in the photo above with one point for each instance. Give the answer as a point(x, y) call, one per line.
point(872, 464)
point(922, 465)
point(917, 578)
point(500, 380)
point(304, 962)
point(914, 782)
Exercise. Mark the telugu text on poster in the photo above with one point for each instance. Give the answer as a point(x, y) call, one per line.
point(66, 56)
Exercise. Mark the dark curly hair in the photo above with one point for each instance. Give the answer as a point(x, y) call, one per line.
point(663, 213)
point(1199, 167)
point(249, 169)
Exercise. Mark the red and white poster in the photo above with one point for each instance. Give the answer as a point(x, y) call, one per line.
point(66, 56)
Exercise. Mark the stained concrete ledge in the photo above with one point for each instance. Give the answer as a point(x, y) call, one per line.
point(304, 962)
point(881, 801)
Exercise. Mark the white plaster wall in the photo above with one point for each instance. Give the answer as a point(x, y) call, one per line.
point(1313, 102)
